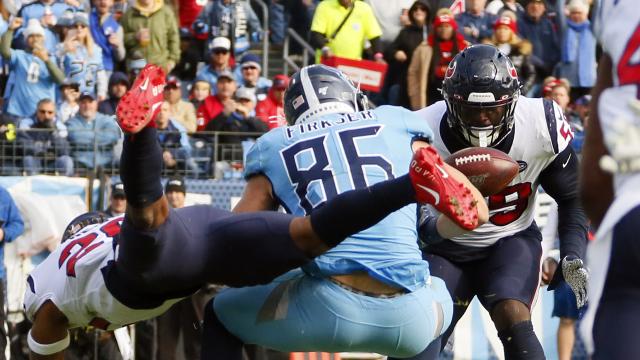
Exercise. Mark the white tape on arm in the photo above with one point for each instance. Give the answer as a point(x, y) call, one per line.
point(48, 349)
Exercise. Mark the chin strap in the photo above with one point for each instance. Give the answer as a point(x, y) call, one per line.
point(48, 349)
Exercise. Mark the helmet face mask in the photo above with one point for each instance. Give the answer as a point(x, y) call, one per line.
point(319, 90)
point(481, 89)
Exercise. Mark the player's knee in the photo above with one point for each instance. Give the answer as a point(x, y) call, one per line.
point(520, 342)
point(507, 313)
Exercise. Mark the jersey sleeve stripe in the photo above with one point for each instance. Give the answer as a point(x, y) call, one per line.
point(550, 116)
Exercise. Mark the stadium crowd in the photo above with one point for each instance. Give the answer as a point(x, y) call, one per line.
point(66, 64)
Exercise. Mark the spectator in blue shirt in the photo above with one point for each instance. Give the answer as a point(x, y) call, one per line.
point(33, 73)
point(251, 78)
point(90, 130)
point(540, 31)
point(219, 55)
point(176, 149)
point(11, 226)
point(107, 33)
point(475, 23)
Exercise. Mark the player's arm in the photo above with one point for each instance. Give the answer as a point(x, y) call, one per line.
point(257, 195)
point(560, 181)
point(49, 335)
point(596, 189)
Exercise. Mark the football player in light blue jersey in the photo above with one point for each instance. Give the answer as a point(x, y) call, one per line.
point(373, 292)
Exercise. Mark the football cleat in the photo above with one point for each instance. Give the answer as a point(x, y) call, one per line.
point(433, 185)
point(142, 102)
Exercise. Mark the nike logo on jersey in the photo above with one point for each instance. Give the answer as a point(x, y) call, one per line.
point(564, 164)
point(144, 85)
point(435, 194)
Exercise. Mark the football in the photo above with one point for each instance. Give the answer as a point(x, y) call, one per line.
point(490, 170)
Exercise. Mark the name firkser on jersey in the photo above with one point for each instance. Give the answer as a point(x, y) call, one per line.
point(322, 124)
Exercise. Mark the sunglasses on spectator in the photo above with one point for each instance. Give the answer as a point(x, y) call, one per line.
point(249, 68)
point(221, 52)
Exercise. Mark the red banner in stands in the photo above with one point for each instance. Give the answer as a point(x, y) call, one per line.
point(369, 74)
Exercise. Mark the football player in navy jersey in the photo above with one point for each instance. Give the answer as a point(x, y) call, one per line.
point(609, 182)
point(109, 273)
point(500, 261)
point(373, 292)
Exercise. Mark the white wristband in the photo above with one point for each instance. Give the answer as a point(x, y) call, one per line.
point(48, 349)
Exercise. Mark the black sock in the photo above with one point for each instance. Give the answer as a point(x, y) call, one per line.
point(357, 210)
point(520, 342)
point(140, 167)
point(217, 341)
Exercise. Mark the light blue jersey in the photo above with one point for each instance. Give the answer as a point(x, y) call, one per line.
point(29, 82)
point(314, 161)
point(82, 68)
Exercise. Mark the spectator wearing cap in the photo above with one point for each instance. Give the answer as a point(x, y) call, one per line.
point(82, 61)
point(117, 200)
point(151, 28)
point(176, 149)
point(107, 33)
point(235, 20)
point(69, 105)
point(118, 86)
point(519, 50)
point(475, 23)
point(271, 109)
point(430, 60)
point(541, 32)
point(180, 110)
point(33, 73)
point(219, 60)
point(48, 13)
point(176, 191)
point(251, 78)
point(350, 41)
point(578, 47)
point(237, 117)
point(90, 130)
point(135, 63)
point(221, 101)
point(42, 139)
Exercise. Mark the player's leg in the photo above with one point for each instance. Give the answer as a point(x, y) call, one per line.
point(507, 282)
point(299, 312)
point(617, 321)
point(459, 290)
point(565, 308)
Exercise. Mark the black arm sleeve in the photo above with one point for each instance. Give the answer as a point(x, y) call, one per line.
point(560, 180)
point(317, 40)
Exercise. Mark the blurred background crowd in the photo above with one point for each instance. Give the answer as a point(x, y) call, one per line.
point(65, 65)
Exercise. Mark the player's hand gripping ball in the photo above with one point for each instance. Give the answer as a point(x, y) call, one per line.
point(490, 170)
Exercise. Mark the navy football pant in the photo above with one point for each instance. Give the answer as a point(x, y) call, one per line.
point(617, 321)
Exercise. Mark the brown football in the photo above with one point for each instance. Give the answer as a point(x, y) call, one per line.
point(490, 170)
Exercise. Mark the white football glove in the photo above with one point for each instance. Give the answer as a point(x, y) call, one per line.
point(577, 276)
point(622, 142)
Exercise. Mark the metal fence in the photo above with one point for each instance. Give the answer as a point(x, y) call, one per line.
point(202, 155)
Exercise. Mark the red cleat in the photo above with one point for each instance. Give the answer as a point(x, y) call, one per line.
point(433, 185)
point(142, 102)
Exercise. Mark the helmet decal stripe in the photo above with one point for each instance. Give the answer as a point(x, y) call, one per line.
point(309, 91)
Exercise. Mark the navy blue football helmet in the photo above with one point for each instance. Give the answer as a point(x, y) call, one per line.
point(82, 221)
point(320, 90)
point(481, 89)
